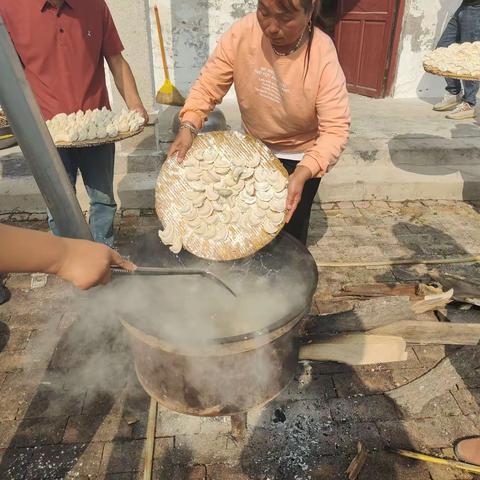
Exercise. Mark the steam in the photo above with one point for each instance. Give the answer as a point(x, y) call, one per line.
point(186, 311)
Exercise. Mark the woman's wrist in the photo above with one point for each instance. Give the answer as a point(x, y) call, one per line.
point(190, 127)
point(303, 173)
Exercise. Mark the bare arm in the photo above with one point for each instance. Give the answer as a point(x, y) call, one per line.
point(81, 262)
point(125, 82)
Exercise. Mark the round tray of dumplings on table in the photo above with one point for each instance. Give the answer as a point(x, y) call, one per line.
point(225, 201)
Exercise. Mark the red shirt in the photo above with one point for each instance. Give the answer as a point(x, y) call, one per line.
point(63, 51)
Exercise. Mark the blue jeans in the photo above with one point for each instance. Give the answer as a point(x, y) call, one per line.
point(96, 166)
point(464, 26)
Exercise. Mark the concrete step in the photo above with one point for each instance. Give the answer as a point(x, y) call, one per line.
point(344, 183)
point(133, 191)
point(397, 169)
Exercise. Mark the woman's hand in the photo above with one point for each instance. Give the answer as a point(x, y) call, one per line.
point(182, 144)
point(87, 264)
point(296, 182)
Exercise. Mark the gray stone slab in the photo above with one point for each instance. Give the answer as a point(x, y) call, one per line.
point(32, 432)
point(88, 428)
point(363, 409)
point(123, 456)
point(421, 434)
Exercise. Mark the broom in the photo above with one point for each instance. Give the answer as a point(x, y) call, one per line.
point(168, 94)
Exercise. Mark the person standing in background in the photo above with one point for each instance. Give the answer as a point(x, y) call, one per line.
point(464, 26)
point(62, 45)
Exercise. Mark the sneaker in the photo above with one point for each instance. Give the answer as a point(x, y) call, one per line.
point(449, 102)
point(462, 112)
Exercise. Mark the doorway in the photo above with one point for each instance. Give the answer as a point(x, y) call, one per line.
point(366, 34)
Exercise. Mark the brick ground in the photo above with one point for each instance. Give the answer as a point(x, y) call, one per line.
point(71, 407)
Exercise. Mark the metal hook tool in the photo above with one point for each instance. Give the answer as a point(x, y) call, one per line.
point(173, 272)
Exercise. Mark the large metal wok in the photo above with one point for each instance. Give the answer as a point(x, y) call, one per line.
point(243, 371)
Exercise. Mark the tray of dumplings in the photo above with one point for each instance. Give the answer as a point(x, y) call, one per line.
point(458, 60)
point(226, 201)
point(94, 127)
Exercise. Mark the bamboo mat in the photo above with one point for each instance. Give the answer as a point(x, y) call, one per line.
point(99, 141)
point(436, 71)
point(172, 186)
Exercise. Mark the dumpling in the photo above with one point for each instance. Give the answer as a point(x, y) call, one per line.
point(82, 134)
point(123, 125)
point(92, 132)
point(112, 130)
point(101, 131)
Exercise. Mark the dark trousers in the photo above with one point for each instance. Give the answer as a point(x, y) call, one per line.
point(298, 225)
point(96, 165)
point(464, 26)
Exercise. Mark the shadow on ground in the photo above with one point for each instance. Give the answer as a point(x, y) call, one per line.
point(67, 417)
point(434, 160)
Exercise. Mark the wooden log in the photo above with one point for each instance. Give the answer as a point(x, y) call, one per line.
point(379, 290)
point(432, 333)
point(331, 307)
point(150, 441)
point(433, 302)
point(356, 349)
point(464, 290)
point(365, 316)
point(355, 467)
point(412, 397)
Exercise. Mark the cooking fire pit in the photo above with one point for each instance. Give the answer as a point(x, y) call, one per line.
point(203, 352)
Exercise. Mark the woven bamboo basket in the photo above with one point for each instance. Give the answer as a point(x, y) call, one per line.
point(172, 186)
point(99, 141)
point(436, 71)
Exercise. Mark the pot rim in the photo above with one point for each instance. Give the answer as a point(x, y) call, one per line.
point(210, 347)
point(253, 335)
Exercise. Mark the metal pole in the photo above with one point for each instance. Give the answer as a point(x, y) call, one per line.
point(36, 143)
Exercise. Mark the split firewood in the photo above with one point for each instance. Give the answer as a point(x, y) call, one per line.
point(331, 307)
point(414, 396)
point(423, 290)
point(356, 349)
point(366, 315)
point(464, 290)
point(355, 467)
point(379, 290)
point(432, 333)
point(433, 302)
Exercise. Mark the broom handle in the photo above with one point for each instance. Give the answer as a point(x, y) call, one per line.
point(162, 46)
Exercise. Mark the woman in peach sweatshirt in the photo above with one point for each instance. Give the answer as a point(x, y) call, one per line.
point(291, 92)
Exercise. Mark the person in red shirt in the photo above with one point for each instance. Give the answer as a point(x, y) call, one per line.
point(62, 45)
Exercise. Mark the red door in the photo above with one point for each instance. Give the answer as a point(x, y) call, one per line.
point(363, 36)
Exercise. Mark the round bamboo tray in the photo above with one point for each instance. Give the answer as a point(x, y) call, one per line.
point(436, 71)
point(172, 186)
point(99, 141)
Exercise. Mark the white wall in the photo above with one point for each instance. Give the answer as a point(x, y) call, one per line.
point(132, 20)
point(424, 22)
point(191, 30)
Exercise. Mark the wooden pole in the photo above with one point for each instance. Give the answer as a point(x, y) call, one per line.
point(150, 442)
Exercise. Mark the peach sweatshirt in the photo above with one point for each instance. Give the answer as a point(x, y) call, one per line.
point(289, 114)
